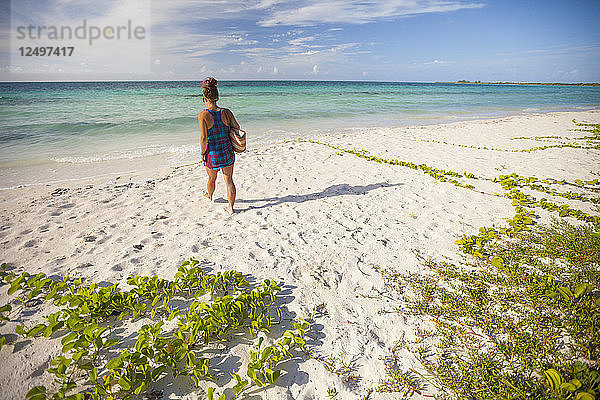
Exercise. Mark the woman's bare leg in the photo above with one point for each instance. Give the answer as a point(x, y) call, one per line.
point(228, 175)
point(210, 185)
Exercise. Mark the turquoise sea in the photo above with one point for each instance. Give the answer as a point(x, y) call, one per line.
point(84, 122)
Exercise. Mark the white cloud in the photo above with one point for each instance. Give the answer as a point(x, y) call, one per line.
point(344, 46)
point(313, 12)
point(309, 53)
point(301, 41)
point(229, 36)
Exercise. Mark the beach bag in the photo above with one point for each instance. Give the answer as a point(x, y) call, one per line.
point(237, 141)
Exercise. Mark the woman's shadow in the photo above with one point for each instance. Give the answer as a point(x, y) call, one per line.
point(334, 190)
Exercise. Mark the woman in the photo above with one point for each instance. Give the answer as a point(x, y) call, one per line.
point(217, 151)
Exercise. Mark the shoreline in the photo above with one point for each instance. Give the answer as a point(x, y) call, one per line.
point(52, 172)
point(318, 220)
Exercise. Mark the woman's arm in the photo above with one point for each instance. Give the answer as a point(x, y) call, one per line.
point(203, 135)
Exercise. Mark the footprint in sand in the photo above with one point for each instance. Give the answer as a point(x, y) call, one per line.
point(104, 239)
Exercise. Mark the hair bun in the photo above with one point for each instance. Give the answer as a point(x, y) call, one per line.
point(210, 81)
point(209, 89)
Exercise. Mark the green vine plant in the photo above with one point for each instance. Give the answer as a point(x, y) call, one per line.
point(587, 146)
point(264, 366)
point(590, 128)
point(520, 319)
point(523, 323)
point(512, 185)
point(221, 304)
point(539, 138)
point(590, 141)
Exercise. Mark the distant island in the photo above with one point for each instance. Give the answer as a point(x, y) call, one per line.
point(528, 83)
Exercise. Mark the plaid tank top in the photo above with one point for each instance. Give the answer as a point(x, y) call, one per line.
point(220, 151)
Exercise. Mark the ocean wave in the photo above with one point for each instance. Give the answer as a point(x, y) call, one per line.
point(149, 151)
point(74, 126)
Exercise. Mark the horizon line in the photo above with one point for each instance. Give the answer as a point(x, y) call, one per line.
point(463, 82)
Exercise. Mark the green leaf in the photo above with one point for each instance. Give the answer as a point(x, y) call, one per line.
point(115, 363)
point(269, 375)
point(36, 330)
point(20, 330)
point(157, 372)
point(6, 307)
point(140, 388)
point(70, 337)
point(581, 289)
point(77, 356)
point(568, 386)
point(553, 379)
point(36, 393)
point(575, 382)
point(125, 383)
point(88, 366)
point(191, 359)
point(566, 293)
point(15, 285)
point(110, 342)
point(585, 396)
point(266, 353)
point(48, 331)
point(276, 374)
point(76, 396)
point(239, 386)
point(497, 262)
point(89, 330)
point(93, 374)
point(211, 391)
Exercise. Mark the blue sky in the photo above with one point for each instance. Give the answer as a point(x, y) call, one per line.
point(391, 40)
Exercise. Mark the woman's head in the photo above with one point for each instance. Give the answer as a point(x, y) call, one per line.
point(209, 89)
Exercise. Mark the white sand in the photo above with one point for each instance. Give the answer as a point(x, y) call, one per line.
point(317, 221)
